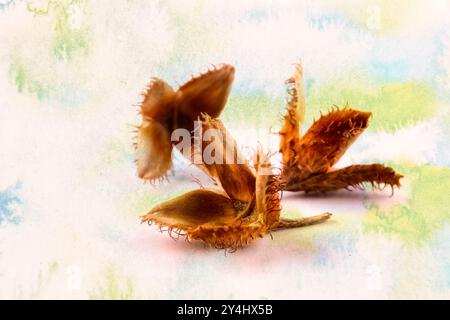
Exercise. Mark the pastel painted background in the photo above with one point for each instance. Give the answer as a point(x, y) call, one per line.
point(71, 73)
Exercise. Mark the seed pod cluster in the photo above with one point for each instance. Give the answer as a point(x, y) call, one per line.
point(245, 205)
point(308, 160)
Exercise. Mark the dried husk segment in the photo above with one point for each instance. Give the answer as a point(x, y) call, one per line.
point(163, 110)
point(235, 177)
point(213, 217)
point(187, 211)
point(246, 204)
point(216, 217)
point(153, 146)
point(308, 160)
point(256, 221)
point(295, 114)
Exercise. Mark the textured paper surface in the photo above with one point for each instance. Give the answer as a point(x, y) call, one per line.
point(70, 77)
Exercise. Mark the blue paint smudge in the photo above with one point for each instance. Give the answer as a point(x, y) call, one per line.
point(441, 250)
point(333, 248)
point(395, 71)
point(442, 46)
point(443, 156)
point(322, 22)
point(257, 16)
point(5, 4)
point(69, 96)
point(393, 59)
point(9, 198)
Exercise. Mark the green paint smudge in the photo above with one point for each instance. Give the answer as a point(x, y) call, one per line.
point(187, 30)
point(26, 81)
point(68, 38)
point(393, 105)
point(45, 276)
point(69, 41)
point(426, 212)
point(53, 266)
point(69, 44)
point(115, 287)
point(43, 87)
point(258, 109)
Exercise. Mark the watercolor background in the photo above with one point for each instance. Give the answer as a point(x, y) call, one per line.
point(71, 72)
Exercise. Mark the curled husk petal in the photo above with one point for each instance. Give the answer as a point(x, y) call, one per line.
point(308, 160)
point(153, 150)
point(294, 117)
point(153, 146)
point(349, 177)
point(329, 137)
point(267, 189)
point(207, 93)
point(163, 110)
point(232, 173)
point(192, 209)
point(159, 101)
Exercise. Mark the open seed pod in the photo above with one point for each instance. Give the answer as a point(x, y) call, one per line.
point(244, 208)
point(226, 165)
point(308, 160)
point(163, 110)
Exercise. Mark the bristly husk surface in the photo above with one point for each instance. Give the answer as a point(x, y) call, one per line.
point(349, 177)
point(163, 110)
point(257, 220)
point(233, 176)
point(246, 204)
point(212, 216)
point(247, 208)
point(295, 114)
point(308, 160)
point(328, 138)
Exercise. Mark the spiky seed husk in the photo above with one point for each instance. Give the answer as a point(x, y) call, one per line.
point(192, 209)
point(207, 93)
point(329, 137)
point(229, 237)
point(236, 179)
point(252, 225)
point(164, 110)
point(348, 177)
point(153, 149)
point(295, 114)
point(159, 101)
point(153, 146)
point(211, 216)
point(267, 191)
point(308, 159)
